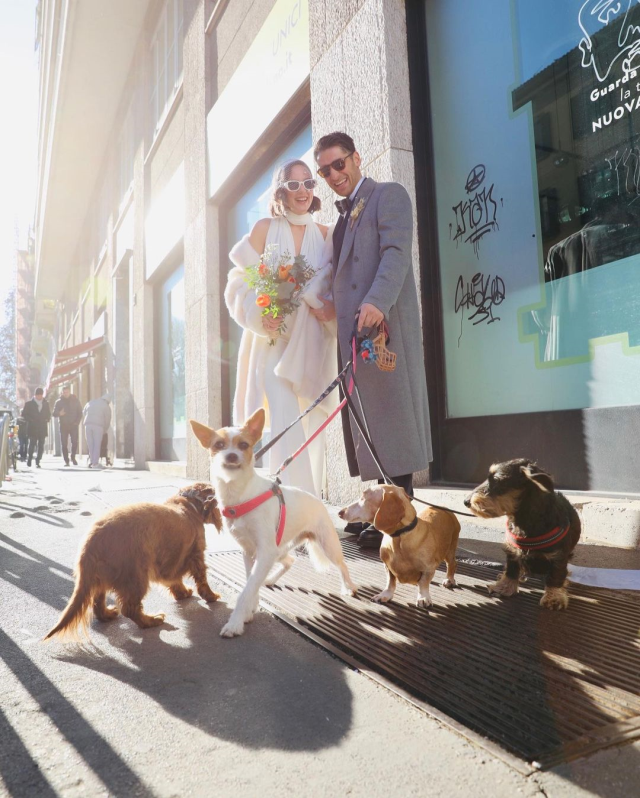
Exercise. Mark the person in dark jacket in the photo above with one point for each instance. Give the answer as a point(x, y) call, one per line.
point(23, 438)
point(69, 410)
point(37, 414)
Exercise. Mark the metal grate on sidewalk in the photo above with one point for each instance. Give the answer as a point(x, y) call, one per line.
point(531, 685)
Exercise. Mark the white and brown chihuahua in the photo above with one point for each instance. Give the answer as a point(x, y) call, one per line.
point(236, 481)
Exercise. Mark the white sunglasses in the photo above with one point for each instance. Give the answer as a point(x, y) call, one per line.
point(294, 185)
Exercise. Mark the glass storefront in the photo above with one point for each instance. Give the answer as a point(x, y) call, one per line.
point(249, 209)
point(534, 110)
point(171, 360)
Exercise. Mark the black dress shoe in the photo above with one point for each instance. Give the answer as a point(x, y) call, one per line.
point(355, 528)
point(369, 538)
point(37, 465)
point(66, 464)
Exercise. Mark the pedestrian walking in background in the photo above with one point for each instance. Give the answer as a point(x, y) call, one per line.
point(37, 414)
point(23, 437)
point(96, 416)
point(69, 412)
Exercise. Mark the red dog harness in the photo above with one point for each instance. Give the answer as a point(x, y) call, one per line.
point(238, 510)
point(541, 542)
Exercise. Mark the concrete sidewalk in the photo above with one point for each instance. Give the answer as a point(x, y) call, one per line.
point(179, 711)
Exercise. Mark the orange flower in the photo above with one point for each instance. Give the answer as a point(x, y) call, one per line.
point(292, 279)
point(263, 300)
point(283, 271)
point(262, 269)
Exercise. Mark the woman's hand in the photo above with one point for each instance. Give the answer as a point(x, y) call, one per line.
point(271, 323)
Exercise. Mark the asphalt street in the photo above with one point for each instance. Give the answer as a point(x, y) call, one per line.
point(177, 710)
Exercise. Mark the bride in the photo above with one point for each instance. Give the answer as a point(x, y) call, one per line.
point(302, 362)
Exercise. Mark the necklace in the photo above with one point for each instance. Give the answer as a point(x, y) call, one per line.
point(297, 218)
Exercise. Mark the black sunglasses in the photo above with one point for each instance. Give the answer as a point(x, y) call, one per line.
point(338, 166)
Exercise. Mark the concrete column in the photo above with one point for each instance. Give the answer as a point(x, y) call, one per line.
point(142, 300)
point(201, 246)
point(122, 398)
point(360, 85)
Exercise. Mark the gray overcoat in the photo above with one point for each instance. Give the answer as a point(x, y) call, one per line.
point(375, 266)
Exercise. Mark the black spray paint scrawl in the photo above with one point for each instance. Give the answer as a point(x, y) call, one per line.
point(476, 215)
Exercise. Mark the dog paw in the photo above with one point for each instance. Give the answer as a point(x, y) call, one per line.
point(555, 598)
point(349, 591)
point(382, 598)
point(208, 595)
point(232, 629)
point(504, 587)
point(148, 621)
point(181, 593)
point(449, 583)
point(423, 601)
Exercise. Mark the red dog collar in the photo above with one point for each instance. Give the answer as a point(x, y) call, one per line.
point(541, 542)
point(237, 510)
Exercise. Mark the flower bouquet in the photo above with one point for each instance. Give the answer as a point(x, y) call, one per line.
point(278, 281)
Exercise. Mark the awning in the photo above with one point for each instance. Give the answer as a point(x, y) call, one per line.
point(61, 381)
point(76, 351)
point(68, 361)
point(67, 368)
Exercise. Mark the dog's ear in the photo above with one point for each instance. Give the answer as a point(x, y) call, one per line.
point(203, 433)
point(539, 477)
point(254, 425)
point(389, 513)
point(215, 517)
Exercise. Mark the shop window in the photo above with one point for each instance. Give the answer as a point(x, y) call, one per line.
point(125, 155)
point(536, 125)
point(171, 367)
point(166, 62)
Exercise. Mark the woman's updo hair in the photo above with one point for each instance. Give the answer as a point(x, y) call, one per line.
point(277, 205)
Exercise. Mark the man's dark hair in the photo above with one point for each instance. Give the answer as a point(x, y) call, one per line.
point(38, 390)
point(336, 139)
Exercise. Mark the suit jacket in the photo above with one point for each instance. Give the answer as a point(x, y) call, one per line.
point(375, 266)
point(37, 420)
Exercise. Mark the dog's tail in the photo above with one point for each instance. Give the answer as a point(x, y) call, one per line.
point(317, 555)
point(74, 614)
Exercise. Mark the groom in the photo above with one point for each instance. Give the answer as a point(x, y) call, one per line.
point(372, 274)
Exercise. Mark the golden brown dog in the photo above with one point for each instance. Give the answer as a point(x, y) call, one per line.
point(413, 545)
point(132, 546)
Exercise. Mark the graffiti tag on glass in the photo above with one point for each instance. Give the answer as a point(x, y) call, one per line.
point(481, 294)
point(477, 215)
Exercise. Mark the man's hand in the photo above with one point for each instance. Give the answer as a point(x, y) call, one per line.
point(370, 316)
point(271, 323)
point(327, 312)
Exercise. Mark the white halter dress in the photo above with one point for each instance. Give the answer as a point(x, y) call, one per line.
point(293, 372)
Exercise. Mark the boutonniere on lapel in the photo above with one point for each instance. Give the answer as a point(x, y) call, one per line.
point(356, 211)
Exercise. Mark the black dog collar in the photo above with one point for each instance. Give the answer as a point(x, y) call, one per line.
point(404, 529)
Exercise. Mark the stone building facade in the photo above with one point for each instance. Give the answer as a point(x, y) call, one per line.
point(133, 229)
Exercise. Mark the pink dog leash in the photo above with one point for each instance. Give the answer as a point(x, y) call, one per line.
point(330, 418)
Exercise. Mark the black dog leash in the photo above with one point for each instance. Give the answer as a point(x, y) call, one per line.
point(374, 454)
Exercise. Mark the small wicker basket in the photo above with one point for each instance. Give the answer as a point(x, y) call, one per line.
point(384, 359)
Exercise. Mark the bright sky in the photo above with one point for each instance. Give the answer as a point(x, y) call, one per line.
point(18, 94)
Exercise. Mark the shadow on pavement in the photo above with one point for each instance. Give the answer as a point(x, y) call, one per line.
point(45, 518)
point(34, 573)
point(262, 690)
point(20, 773)
point(110, 768)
